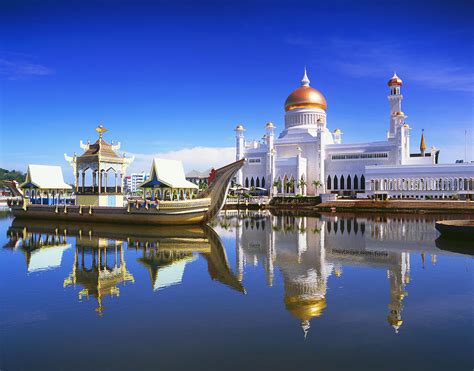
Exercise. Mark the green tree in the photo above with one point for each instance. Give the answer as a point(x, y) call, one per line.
point(302, 183)
point(11, 175)
point(277, 184)
point(317, 184)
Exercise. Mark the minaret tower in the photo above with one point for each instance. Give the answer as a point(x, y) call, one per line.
point(270, 136)
point(239, 149)
point(395, 99)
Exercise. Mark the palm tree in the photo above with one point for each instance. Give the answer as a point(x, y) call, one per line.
point(317, 184)
point(290, 183)
point(277, 184)
point(302, 183)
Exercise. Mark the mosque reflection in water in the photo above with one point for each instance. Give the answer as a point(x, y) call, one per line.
point(306, 251)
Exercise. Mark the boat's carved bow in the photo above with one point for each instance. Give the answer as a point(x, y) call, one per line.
point(219, 187)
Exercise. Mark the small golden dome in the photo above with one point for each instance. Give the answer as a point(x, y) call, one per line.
point(406, 126)
point(399, 114)
point(239, 127)
point(305, 309)
point(395, 81)
point(337, 131)
point(270, 125)
point(394, 321)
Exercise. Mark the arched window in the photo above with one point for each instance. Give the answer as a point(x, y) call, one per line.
point(329, 182)
point(252, 182)
point(246, 182)
point(349, 183)
point(362, 182)
point(336, 186)
point(263, 182)
point(356, 182)
point(257, 183)
point(342, 182)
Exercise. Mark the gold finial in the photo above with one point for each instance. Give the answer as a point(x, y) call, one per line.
point(101, 130)
point(422, 143)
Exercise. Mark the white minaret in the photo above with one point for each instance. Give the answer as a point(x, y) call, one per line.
point(395, 99)
point(270, 136)
point(239, 150)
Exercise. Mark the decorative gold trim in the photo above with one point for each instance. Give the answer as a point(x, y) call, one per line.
point(305, 105)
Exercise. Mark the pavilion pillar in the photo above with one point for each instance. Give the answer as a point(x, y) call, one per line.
point(100, 181)
point(116, 189)
point(93, 180)
point(83, 180)
point(105, 176)
point(77, 181)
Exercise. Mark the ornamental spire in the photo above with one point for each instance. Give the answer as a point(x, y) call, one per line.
point(422, 142)
point(305, 80)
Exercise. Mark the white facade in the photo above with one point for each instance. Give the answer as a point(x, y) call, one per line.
point(307, 158)
point(132, 183)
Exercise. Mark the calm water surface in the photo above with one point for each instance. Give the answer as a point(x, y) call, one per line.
point(252, 292)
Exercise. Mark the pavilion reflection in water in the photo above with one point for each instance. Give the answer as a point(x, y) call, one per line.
point(307, 251)
point(43, 251)
point(99, 266)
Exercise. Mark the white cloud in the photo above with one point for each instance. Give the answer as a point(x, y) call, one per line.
point(198, 158)
point(14, 69)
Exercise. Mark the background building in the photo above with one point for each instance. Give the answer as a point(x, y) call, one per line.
point(307, 158)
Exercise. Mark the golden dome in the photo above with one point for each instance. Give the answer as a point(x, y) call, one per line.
point(394, 321)
point(305, 97)
point(303, 309)
point(239, 127)
point(270, 125)
point(399, 114)
point(395, 81)
point(337, 131)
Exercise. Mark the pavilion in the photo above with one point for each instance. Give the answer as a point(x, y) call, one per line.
point(45, 185)
point(168, 182)
point(107, 171)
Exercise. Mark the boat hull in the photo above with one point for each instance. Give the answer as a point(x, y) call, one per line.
point(99, 214)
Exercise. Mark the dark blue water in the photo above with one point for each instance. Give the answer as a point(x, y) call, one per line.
point(253, 292)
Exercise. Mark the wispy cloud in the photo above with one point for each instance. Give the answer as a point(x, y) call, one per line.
point(199, 158)
point(15, 69)
point(377, 58)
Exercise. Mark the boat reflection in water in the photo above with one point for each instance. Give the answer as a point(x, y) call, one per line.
point(307, 251)
point(99, 261)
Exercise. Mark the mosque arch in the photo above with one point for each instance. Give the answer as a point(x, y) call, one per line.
point(336, 186)
point(329, 182)
point(362, 182)
point(263, 182)
point(356, 182)
point(246, 182)
point(252, 182)
point(342, 184)
point(257, 183)
point(349, 183)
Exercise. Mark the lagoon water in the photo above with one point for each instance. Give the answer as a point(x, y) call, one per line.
point(250, 292)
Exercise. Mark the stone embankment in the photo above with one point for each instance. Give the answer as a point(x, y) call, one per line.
point(397, 205)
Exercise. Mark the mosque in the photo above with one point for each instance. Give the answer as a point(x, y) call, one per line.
point(307, 158)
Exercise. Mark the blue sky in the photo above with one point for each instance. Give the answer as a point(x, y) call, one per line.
point(167, 77)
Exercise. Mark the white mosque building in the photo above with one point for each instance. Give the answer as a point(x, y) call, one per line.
point(307, 158)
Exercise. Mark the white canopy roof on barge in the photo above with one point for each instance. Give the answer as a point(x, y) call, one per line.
point(167, 181)
point(45, 177)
